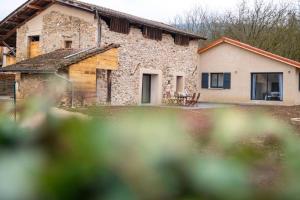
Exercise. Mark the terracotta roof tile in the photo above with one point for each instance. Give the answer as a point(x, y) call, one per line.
point(250, 48)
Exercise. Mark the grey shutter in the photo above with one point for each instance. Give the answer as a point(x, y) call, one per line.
point(204, 80)
point(227, 81)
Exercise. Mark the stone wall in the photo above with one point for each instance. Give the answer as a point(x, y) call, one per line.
point(48, 87)
point(31, 85)
point(137, 53)
point(54, 29)
point(22, 43)
point(58, 28)
point(101, 86)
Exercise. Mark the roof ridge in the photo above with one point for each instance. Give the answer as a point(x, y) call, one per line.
point(77, 53)
point(54, 60)
point(132, 17)
point(68, 60)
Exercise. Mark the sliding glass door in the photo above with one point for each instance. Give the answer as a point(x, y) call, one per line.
point(267, 86)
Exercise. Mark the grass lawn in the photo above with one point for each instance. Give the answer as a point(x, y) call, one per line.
point(200, 122)
point(281, 113)
point(199, 119)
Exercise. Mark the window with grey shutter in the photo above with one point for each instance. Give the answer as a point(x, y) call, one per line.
point(217, 80)
point(227, 81)
point(204, 80)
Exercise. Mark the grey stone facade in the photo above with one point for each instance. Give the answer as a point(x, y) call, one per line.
point(22, 43)
point(145, 53)
point(135, 54)
point(58, 28)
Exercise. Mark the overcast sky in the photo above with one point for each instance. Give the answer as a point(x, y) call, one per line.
point(160, 10)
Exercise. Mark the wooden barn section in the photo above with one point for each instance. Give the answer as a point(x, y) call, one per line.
point(7, 57)
point(34, 47)
point(78, 68)
point(7, 85)
point(10, 60)
point(84, 73)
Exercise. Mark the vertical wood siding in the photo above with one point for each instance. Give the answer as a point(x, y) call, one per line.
point(119, 25)
point(182, 40)
point(34, 49)
point(83, 74)
point(152, 33)
point(10, 60)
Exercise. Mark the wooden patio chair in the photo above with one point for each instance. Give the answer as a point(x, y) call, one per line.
point(190, 101)
point(196, 100)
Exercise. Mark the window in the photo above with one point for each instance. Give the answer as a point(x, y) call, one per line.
point(182, 40)
point(217, 80)
point(68, 44)
point(34, 46)
point(267, 86)
point(152, 33)
point(35, 38)
point(119, 25)
point(179, 84)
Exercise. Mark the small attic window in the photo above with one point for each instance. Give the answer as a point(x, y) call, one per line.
point(119, 25)
point(152, 33)
point(182, 40)
point(68, 44)
point(35, 38)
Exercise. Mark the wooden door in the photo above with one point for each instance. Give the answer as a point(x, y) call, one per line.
point(34, 49)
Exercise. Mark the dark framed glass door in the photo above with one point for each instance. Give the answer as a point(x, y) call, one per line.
point(146, 89)
point(267, 86)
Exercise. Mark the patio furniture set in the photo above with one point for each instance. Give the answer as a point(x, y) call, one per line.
point(182, 99)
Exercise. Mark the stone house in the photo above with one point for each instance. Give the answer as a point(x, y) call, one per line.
point(151, 56)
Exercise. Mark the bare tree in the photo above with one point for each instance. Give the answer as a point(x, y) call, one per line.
point(272, 27)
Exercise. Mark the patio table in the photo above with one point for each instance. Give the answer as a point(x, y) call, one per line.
point(184, 98)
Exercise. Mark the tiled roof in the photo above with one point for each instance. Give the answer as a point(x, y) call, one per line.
point(53, 61)
point(32, 8)
point(133, 19)
point(250, 48)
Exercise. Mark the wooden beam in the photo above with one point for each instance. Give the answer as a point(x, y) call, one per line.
point(34, 7)
point(4, 29)
point(11, 49)
point(12, 31)
point(21, 17)
point(12, 22)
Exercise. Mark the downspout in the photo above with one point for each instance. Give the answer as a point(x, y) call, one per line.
point(72, 88)
point(99, 28)
point(99, 37)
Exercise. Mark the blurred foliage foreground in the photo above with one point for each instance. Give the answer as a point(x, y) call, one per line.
point(149, 156)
